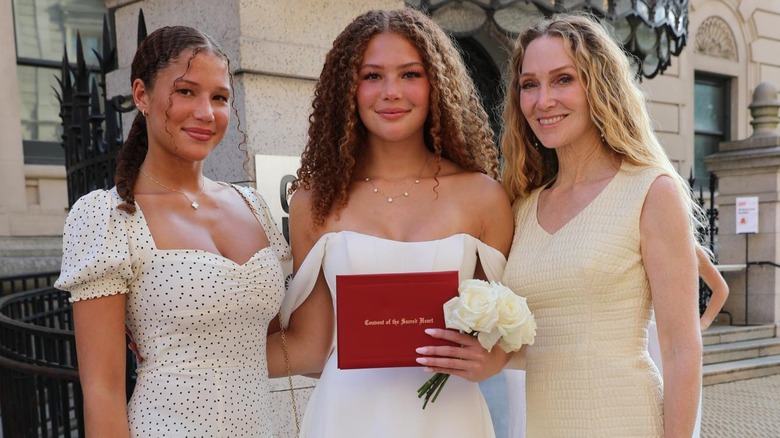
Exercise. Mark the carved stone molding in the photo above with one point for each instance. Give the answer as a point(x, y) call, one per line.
point(715, 38)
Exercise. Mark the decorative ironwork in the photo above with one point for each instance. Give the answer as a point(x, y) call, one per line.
point(40, 391)
point(91, 122)
point(652, 31)
point(41, 395)
point(18, 283)
point(708, 233)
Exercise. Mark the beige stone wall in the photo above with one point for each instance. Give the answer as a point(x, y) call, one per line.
point(742, 40)
point(277, 50)
point(33, 198)
point(736, 39)
point(12, 195)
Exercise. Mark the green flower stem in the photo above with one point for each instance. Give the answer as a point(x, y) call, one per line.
point(441, 386)
point(432, 387)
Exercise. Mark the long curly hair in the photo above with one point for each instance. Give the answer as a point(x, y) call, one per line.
point(158, 50)
point(616, 104)
point(456, 129)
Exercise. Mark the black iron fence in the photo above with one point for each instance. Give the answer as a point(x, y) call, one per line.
point(40, 390)
point(91, 121)
point(708, 233)
point(40, 395)
point(22, 282)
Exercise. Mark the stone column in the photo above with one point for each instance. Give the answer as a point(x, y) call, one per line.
point(276, 48)
point(13, 197)
point(751, 167)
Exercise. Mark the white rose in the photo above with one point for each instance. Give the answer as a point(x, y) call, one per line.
point(488, 340)
point(474, 309)
point(516, 323)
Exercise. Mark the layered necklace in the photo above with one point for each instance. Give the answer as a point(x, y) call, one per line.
point(404, 193)
point(193, 202)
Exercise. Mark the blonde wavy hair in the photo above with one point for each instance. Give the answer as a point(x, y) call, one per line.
point(615, 101)
point(456, 129)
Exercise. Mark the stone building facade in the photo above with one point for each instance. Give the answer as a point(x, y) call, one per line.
point(278, 48)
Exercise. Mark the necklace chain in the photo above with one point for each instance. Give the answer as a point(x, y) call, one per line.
point(193, 202)
point(389, 198)
point(404, 193)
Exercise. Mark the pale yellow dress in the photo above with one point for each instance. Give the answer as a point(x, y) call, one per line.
point(589, 373)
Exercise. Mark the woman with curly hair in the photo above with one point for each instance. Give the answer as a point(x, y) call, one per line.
point(397, 176)
point(603, 235)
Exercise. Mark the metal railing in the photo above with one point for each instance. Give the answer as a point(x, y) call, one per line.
point(707, 234)
point(40, 393)
point(17, 283)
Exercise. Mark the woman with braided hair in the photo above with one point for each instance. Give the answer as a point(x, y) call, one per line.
point(193, 267)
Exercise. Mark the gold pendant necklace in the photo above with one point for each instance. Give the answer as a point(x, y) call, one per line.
point(193, 202)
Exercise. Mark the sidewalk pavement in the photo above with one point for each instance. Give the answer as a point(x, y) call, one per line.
point(743, 409)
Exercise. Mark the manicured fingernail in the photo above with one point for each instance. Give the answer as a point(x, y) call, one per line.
point(421, 360)
point(420, 350)
point(430, 331)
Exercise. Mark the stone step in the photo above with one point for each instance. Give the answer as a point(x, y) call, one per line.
point(28, 254)
point(32, 246)
point(741, 369)
point(732, 351)
point(723, 334)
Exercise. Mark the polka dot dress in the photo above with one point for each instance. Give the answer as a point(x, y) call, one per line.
point(199, 319)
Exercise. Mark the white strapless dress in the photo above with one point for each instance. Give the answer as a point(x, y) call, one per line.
point(382, 402)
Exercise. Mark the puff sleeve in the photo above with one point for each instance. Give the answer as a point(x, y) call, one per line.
point(96, 253)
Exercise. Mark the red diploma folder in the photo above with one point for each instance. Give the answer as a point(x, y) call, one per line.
point(381, 318)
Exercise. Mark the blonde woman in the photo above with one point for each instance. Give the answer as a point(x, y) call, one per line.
point(603, 234)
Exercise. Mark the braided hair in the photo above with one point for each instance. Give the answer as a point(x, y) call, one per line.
point(156, 51)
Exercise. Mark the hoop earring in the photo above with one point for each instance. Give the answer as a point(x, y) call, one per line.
point(143, 112)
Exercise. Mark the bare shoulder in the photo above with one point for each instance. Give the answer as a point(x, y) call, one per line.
point(301, 200)
point(486, 201)
point(665, 213)
point(663, 198)
point(481, 190)
point(664, 186)
point(301, 221)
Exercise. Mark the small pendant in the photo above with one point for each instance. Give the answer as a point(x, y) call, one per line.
point(195, 205)
point(390, 200)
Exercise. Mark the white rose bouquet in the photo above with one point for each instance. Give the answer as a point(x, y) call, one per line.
point(492, 313)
